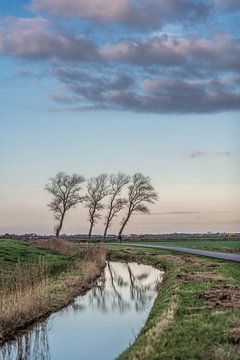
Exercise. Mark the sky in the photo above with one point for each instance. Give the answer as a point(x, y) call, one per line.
point(149, 86)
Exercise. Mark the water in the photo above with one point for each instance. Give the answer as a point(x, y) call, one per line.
point(98, 325)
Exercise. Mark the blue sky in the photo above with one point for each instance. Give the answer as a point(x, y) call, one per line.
point(89, 91)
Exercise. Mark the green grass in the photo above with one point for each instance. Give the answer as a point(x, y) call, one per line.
point(12, 251)
point(198, 329)
point(219, 245)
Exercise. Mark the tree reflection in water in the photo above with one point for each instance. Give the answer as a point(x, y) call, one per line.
point(32, 345)
point(122, 288)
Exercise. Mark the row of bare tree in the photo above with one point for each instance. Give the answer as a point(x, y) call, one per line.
point(66, 194)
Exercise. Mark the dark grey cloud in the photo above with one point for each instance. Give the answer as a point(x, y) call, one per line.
point(171, 96)
point(91, 87)
point(140, 14)
point(156, 94)
point(37, 39)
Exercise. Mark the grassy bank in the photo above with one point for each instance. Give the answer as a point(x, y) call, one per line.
point(35, 282)
point(197, 312)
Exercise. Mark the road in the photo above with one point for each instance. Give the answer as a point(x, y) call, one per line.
point(211, 254)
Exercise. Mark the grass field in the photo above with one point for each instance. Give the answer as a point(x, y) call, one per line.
point(13, 251)
point(218, 245)
point(197, 312)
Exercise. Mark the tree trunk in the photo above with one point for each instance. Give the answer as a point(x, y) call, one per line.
point(59, 228)
point(108, 221)
point(124, 224)
point(105, 230)
point(90, 230)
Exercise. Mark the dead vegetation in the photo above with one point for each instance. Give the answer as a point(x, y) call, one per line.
point(58, 246)
point(201, 276)
point(235, 334)
point(210, 265)
point(22, 276)
point(196, 262)
point(84, 251)
point(224, 297)
point(223, 352)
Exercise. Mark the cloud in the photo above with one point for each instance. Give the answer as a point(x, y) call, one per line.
point(23, 72)
point(149, 74)
point(93, 88)
point(224, 153)
point(37, 39)
point(140, 14)
point(196, 153)
point(176, 213)
point(155, 94)
point(230, 5)
point(61, 97)
point(223, 51)
point(199, 153)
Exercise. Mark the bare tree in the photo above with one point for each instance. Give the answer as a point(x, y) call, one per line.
point(65, 191)
point(97, 190)
point(116, 204)
point(140, 193)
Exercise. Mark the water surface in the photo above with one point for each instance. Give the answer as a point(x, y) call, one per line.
point(97, 326)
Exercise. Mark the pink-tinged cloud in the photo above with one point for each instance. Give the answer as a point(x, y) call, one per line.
point(135, 13)
point(98, 9)
point(38, 39)
point(222, 51)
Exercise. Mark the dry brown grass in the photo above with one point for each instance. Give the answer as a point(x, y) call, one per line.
point(91, 252)
point(235, 334)
point(225, 297)
point(22, 276)
point(201, 276)
point(59, 246)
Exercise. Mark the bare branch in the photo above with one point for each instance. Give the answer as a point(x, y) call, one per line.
point(140, 194)
point(65, 191)
point(97, 190)
point(116, 184)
